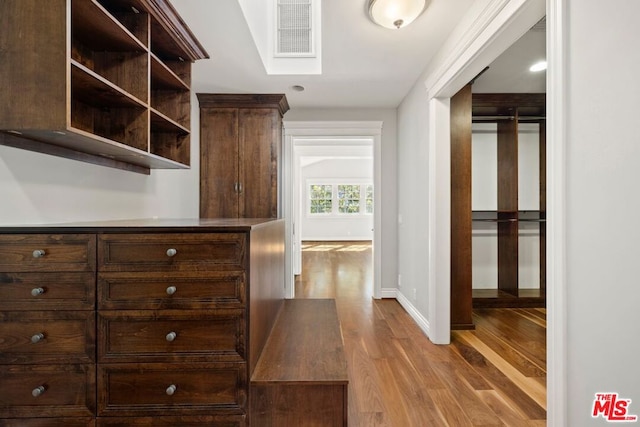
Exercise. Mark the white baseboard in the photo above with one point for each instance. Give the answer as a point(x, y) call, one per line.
point(417, 317)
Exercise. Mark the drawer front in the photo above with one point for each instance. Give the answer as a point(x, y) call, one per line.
point(48, 422)
point(47, 391)
point(172, 336)
point(62, 337)
point(47, 291)
point(44, 252)
point(171, 252)
point(184, 421)
point(165, 389)
point(171, 290)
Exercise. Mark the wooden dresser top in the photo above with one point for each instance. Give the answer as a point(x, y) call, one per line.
point(182, 225)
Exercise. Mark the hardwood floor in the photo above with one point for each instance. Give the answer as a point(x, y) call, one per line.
point(492, 376)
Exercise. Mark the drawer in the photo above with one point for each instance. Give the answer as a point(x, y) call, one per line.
point(168, 335)
point(47, 291)
point(47, 252)
point(47, 391)
point(171, 290)
point(171, 389)
point(171, 252)
point(62, 337)
point(184, 421)
point(48, 422)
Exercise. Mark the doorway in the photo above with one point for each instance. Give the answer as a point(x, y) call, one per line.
point(321, 139)
point(491, 35)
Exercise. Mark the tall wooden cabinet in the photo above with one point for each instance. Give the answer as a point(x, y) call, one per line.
point(240, 145)
point(101, 81)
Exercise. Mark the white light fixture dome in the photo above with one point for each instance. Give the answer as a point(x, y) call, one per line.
point(396, 13)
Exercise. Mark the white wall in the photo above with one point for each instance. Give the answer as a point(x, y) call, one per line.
point(335, 227)
point(602, 204)
point(37, 188)
point(388, 246)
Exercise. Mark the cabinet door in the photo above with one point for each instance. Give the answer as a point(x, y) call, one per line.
point(259, 133)
point(219, 163)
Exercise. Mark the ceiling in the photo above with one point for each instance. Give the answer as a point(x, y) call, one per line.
point(363, 65)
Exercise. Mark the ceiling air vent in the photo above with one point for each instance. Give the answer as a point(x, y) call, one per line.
point(295, 32)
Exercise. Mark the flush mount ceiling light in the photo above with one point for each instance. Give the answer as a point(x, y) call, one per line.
point(396, 13)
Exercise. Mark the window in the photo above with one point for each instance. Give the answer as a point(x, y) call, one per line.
point(368, 199)
point(321, 199)
point(340, 199)
point(349, 199)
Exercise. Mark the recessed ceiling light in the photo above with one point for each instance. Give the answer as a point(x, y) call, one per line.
point(298, 88)
point(538, 66)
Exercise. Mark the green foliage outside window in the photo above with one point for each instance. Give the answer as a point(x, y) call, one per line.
point(321, 199)
point(349, 199)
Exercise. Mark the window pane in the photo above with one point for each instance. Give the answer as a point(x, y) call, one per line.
point(320, 199)
point(349, 199)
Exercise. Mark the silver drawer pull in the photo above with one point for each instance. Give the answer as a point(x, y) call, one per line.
point(37, 337)
point(171, 290)
point(171, 389)
point(171, 252)
point(37, 291)
point(171, 336)
point(38, 391)
point(39, 253)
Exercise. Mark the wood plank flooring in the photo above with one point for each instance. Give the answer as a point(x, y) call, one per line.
point(493, 376)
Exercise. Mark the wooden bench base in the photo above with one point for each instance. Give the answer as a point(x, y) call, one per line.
point(301, 377)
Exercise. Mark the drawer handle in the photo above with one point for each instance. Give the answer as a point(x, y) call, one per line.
point(171, 290)
point(171, 252)
point(38, 391)
point(39, 253)
point(37, 337)
point(37, 291)
point(171, 389)
point(171, 336)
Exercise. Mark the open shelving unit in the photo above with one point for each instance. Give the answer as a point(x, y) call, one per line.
point(507, 111)
point(108, 84)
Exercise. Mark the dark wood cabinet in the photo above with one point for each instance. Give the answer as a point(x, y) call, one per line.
point(130, 325)
point(240, 145)
point(102, 81)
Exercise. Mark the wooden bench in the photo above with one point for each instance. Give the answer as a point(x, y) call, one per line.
point(301, 377)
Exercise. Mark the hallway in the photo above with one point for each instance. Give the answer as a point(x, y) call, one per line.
point(493, 376)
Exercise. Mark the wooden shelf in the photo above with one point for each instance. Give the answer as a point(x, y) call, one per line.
point(495, 298)
point(98, 29)
point(110, 97)
point(163, 77)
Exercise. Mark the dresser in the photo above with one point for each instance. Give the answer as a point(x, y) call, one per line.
point(135, 323)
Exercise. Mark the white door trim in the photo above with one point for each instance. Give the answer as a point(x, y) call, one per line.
point(498, 25)
point(297, 132)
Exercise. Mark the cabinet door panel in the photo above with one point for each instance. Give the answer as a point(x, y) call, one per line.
point(219, 164)
point(259, 130)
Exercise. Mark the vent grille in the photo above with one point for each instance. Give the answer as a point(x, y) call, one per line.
point(295, 37)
